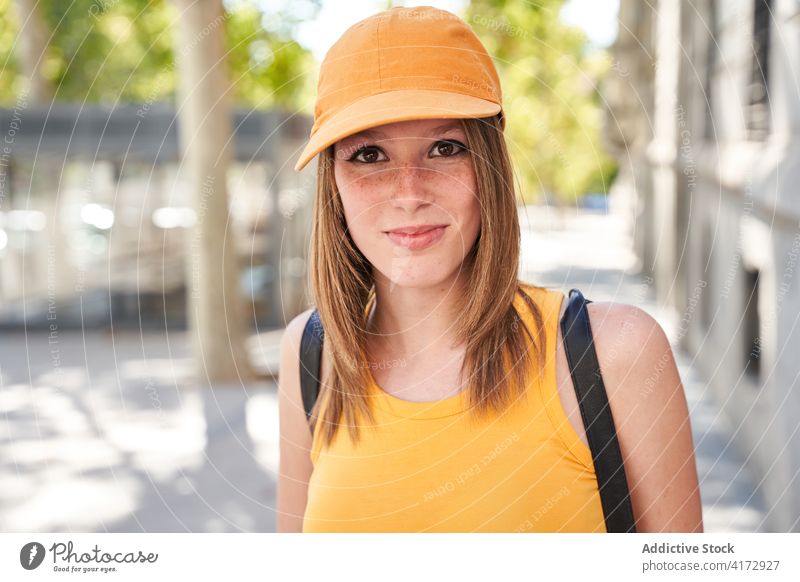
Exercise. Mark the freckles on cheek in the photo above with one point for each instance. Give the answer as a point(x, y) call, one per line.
point(357, 212)
point(360, 192)
point(462, 189)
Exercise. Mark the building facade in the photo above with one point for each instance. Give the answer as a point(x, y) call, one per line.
point(704, 119)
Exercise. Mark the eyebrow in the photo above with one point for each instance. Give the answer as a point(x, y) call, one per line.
point(376, 133)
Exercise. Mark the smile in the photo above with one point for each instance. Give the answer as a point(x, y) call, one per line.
point(418, 241)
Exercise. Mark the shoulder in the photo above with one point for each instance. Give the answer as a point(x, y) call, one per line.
point(294, 329)
point(632, 349)
point(289, 370)
point(622, 330)
point(635, 357)
point(651, 416)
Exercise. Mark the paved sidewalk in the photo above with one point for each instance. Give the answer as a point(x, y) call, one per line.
point(104, 432)
point(107, 434)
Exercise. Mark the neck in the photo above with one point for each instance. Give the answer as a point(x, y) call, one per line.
point(409, 321)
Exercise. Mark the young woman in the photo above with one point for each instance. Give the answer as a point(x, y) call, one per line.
point(446, 401)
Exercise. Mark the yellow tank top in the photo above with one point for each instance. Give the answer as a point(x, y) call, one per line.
point(423, 468)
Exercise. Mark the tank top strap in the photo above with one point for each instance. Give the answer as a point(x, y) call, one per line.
point(550, 301)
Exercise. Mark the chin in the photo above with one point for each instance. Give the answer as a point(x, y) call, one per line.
point(402, 272)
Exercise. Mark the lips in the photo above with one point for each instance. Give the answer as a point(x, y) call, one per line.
point(416, 238)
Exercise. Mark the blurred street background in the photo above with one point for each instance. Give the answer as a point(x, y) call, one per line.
point(154, 237)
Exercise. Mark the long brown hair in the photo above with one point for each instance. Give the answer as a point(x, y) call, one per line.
point(494, 334)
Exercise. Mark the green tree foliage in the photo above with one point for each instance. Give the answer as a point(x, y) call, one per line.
point(114, 51)
point(266, 64)
point(550, 84)
point(8, 67)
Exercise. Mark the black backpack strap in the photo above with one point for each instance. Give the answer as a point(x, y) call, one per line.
point(310, 358)
point(596, 415)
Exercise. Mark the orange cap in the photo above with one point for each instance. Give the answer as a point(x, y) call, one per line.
point(401, 64)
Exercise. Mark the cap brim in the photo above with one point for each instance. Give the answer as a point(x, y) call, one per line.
point(392, 106)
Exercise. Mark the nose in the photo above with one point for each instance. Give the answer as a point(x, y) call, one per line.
point(411, 187)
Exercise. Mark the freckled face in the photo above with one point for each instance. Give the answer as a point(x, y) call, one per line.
point(408, 175)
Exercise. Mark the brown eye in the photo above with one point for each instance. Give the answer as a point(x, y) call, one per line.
point(447, 148)
point(367, 155)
